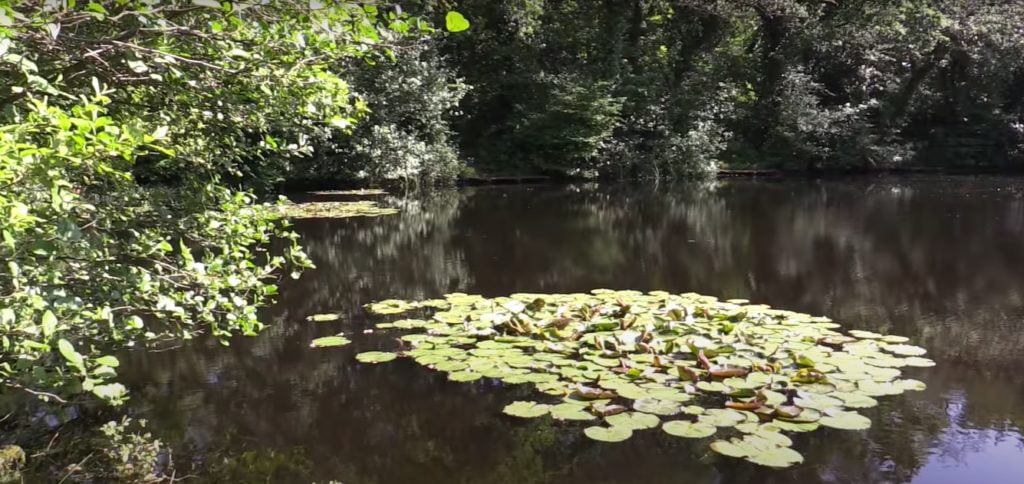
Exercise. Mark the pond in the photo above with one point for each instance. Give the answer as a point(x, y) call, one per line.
point(937, 259)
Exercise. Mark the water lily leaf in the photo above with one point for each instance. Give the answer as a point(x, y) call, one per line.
point(323, 318)
point(846, 421)
point(774, 437)
point(891, 338)
point(633, 420)
point(780, 457)
point(464, 376)
point(525, 409)
point(669, 394)
point(688, 430)
point(451, 366)
point(722, 417)
point(608, 434)
point(728, 449)
point(375, 357)
point(856, 333)
point(656, 407)
point(855, 400)
point(329, 341)
point(918, 362)
point(748, 427)
point(569, 411)
point(912, 385)
point(879, 389)
point(905, 350)
point(716, 387)
point(796, 426)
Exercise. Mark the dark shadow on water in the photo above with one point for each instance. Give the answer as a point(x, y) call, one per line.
point(936, 259)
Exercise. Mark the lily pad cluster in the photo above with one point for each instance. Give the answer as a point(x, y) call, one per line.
point(627, 361)
point(361, 208)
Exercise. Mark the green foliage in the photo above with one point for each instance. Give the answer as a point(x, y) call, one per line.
point(406, 136)
point(126, 128)
point(787, 84)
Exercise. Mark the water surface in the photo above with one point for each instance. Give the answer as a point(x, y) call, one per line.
point(937, 259)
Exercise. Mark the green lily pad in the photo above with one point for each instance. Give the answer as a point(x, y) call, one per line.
point(779, 457)
point(728, 449)
point(856, 400)
point(905, 350)
point(633, 420)
point(569, 411)
point(329, 341)
point(722, 417)
point(846, 421)
point(796, 426)
point(323, 318)
point(375, 357)
point(918, 362)
point(526, 409)
point(656, 407)
point(464, 376)
point(609, 434)
point(688, 430)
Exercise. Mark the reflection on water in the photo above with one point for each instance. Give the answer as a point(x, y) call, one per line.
point(936, 259)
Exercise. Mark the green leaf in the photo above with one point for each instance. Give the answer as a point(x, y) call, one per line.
point(329, 341)
point(524, 409)
point(112, 392)
point(455, 22)
point(656, 407)
point(633, 420)
point(728, 449)
point(688, 430)
point(376, 357)
point(67, 350)
point(323, 318)
point(464, 376)
point(108, 360)
point(780, 457)
point(570, 411)
point(609, 434)
point(48, 324)
point(905, 350)
point(846, 421)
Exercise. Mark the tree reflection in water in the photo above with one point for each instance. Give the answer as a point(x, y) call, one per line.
point(936, 259)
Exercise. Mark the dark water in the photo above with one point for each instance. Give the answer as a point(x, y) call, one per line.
point(936, 259)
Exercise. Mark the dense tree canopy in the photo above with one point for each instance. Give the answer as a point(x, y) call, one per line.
point(667, 87)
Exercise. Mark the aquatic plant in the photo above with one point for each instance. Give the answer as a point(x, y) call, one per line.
point(690, 363)
point(361, 208)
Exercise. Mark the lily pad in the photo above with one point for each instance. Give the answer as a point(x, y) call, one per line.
point(569, 411)
point(375, 357)
point(464, 376)
point(524, 409)
point(779, 457)
point(905, 350)
point(846, 421)
point(656, 407)
point(689, 430)
point(329, 341)
point(756, 368)
point(323, 318)
point(609, 434)
point(633, 420)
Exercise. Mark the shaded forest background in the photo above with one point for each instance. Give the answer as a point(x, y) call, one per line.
point(662, 88)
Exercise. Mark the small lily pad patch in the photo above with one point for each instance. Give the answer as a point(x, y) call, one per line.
point(329, 341)
point(693, 365)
